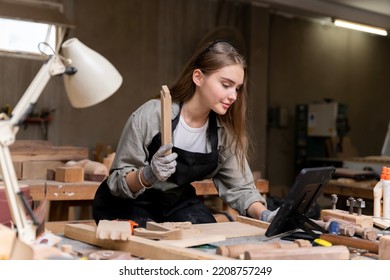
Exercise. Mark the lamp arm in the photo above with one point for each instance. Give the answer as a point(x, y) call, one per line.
point(52, 67)
point(8, 129)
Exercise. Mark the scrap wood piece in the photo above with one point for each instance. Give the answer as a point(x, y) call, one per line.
point(166, 118)
point(253, 222)
point(138, 246)
point(337, 252)
point(114, 230)
point(362, 220)
point(168, 225)
point(159, 234)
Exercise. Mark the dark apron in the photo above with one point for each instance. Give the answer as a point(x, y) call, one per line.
point(176, 205)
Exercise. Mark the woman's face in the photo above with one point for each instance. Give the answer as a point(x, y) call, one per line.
point(218, 90)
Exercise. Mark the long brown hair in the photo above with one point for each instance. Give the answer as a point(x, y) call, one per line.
point(210, 58)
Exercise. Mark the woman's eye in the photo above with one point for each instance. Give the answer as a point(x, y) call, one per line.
point(225, 85)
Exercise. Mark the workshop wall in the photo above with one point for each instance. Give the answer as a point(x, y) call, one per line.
point(310, 62)
point(291, 61)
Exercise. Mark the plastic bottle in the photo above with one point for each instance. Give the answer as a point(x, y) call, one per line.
point(385, 178)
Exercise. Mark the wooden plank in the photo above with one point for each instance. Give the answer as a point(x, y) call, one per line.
point(190, 240)
point(35, 150)
point(253, 222)
point(230, 229)
point(308, 253)
point(166, 116)
point(138, 246)
point(58, 227)
point(237, 251)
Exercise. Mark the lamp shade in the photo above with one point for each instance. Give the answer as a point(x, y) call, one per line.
point(96, 78)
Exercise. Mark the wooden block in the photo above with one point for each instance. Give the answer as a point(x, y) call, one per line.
point(69, 174)
point(362, 220)
point(166, 116)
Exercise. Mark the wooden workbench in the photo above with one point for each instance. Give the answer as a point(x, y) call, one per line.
point(350, 187)
point(65, 195)
point(345, 187)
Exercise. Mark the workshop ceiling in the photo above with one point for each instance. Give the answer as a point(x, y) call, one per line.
point(376, 6)
point(370, 12)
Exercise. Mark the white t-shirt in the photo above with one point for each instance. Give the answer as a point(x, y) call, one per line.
point(190, 139)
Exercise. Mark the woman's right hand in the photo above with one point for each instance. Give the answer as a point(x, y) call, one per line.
point(162, 166)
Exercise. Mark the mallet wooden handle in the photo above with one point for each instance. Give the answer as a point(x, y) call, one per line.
point(358, 243)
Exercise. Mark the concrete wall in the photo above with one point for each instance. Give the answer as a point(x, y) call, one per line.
point(291, 61)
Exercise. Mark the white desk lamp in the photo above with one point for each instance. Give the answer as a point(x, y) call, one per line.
point(89, 79)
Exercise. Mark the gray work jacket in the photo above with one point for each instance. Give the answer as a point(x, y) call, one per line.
point(236, 188)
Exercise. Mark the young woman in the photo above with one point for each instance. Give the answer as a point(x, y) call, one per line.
point(209, 141)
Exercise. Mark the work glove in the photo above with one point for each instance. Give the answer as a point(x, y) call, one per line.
point(268, 215)
point(161, 166)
